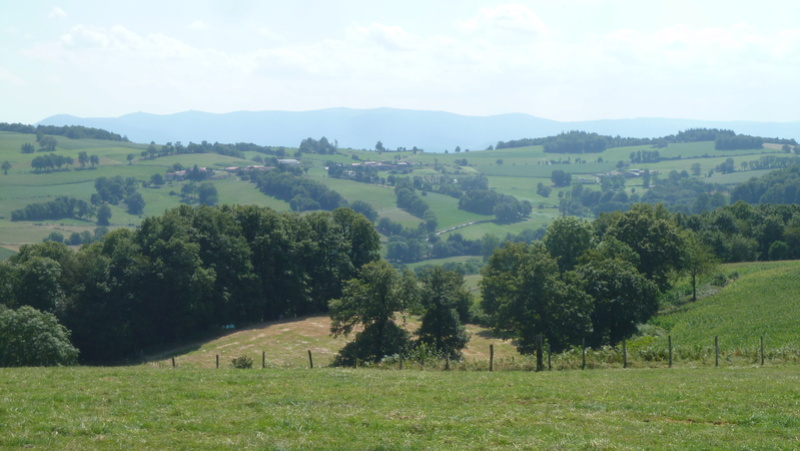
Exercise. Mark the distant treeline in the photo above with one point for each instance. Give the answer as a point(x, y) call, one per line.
point(777, 187)
point(583, 142)
point(302, 194)
point(59, 208)
point(70, 131)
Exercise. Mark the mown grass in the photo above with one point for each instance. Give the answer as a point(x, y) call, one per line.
point(159, 408)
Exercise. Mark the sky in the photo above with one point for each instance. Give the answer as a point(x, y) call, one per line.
point(566, 60)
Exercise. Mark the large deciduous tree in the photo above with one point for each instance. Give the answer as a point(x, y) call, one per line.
point(442, 296)
point(370, 301)
point(525, 295)
point(622, 298)
point(567, 239)
point(655, 236)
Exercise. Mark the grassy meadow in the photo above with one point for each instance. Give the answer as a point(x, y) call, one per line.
point(287, 405)
point(163, 408)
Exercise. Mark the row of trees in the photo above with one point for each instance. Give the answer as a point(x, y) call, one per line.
point(70, 131)
point(507, 209)
point(58, 208)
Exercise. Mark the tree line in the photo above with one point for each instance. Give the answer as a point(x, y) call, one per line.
point(70, 131)
point(189, 272)
point(583, 142)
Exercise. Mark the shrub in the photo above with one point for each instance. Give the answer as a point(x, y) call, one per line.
point(242, 362)
point(29, 337)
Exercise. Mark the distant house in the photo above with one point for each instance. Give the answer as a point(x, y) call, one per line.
point(176, 176)
point(289, 161)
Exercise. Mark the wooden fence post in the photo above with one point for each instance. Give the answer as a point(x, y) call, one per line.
point(762, 350)
point(624, 355)
point(669, 340)
point(263, 359)
point(173, 362)
point(447, 364)
point(539, 355)
point(549, 353)
point(310, 360)
point(716, 351)
point(217, 360)
point(491, 357)
point(583, 354)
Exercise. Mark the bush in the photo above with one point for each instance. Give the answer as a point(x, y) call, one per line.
point(242, 362)
point(29, 337)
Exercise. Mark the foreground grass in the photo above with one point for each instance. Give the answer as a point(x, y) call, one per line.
point(152, 408)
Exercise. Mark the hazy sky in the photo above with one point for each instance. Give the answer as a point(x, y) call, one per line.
point(557, 59)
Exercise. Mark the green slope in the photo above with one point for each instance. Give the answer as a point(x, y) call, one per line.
point(763, 301)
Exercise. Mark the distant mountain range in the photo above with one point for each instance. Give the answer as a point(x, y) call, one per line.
point(362, 129)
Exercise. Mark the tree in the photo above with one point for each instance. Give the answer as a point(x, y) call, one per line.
point(29, 337)
point(442, 296)
point(207, 194)
point(38, 282)
point(567, 239)
point(135, 203)
point(94, 160)
point(28, 148)
point(699, 259)
point(369, 300)
point(646, 179)
point(103, 215)
point(654, 235)
point(379, 147)
point(157, 179)
point(83, 158)
point(5, 167)
point(621, 298)
point(524, 296)
point(130, 158)
point(366, 209)
point(561, 178)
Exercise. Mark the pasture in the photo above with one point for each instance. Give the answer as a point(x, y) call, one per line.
point(162, 408)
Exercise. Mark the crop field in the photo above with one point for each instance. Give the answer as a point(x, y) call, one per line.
point(161, 408)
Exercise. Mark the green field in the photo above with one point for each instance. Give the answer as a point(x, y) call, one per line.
point(161, 408)
point(762, 302)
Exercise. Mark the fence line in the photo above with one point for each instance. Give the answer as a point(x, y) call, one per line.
point(604, 357)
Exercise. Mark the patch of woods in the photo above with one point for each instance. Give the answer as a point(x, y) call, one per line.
point(69, 131)
point(185, 274)
point(583, 142)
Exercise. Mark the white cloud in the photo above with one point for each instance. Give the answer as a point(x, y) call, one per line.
point(198, 25)
point(390, 37)
point(57, 13)
point(510, 17)
point(8, 77)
